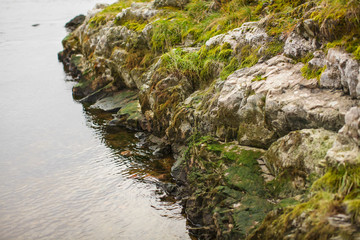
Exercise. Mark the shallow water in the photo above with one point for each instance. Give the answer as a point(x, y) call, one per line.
point(62, 174)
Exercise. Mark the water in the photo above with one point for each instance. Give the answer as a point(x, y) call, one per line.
point(62, 175)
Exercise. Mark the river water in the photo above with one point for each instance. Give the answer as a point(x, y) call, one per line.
point(62, 174)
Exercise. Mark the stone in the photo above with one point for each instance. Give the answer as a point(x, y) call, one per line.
point(352, 124)
point(250, 33)
point(302, 39)
point(256, 113)
point(115, 102)
point(318, 61)
point(170, 3)
point(75, 22)
point(138, 11)
point(296, 46)
point(345, 149)
point(342, 71)
point(302, 150)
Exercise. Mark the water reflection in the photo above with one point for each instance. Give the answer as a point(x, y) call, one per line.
point(135, 159)
point(63, 176)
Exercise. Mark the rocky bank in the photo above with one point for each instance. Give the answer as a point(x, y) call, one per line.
point(258, 101)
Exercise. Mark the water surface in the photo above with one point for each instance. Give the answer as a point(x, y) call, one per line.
point(62, 175)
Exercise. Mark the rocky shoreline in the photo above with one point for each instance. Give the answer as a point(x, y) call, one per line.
point(262, 117)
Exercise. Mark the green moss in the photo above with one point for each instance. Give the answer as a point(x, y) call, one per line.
point(135, 25)
point(287, 202)
point(309, 73)
point(76, 59)
point(132, 109)
point(230, 68)
point(169, 32)
point(341, 180)
point(337, 189)
point(258, 78)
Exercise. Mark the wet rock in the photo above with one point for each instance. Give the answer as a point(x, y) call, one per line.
point(126, 153)
point(75, 22)
point(342, 72)
point(115, 102)
point(162, 150)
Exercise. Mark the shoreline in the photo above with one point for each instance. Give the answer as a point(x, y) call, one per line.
point(261, 132)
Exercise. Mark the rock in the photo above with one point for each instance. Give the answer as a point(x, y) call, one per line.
point(296, 46)
point(256, 113)
point(75, 22)
point(342, 71)
point(97, 8)
point(352, 124)
point(302, 39)
point(126, 153)
point(250, 33)
point(318, 61)
point(301, 150)
point(138, 11)
point(170, 3)
point(115, 102)
point(116, 36)
point(162, 150)
point(346, 147)
point(340, 220)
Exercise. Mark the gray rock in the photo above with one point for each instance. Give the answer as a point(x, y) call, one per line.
point(302, 150)
point(346, 147)
point(302, 40)
point(170, 3)
point(256, 113)
point(297, 46)
point(352, 124)
point(138, 11)
point(115, 102)
point(249, 33)
point(342, 71)
point(318, 61)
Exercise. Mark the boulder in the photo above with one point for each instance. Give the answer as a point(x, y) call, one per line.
point(250, 33)
point(346, 147)
point(115, 102)
point(301, 150)
point(138, 12)
point(170, 3)
point(302, 39)
point(257, 105)
point(342, 72)
point(75, 22)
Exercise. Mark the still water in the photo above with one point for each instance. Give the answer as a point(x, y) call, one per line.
point(62, 175)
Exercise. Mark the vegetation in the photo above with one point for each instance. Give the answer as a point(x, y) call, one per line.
point(337, 192)
point(225, 179)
